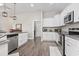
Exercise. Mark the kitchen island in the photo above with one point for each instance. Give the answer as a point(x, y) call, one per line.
point(3, 46)
point(13, 40)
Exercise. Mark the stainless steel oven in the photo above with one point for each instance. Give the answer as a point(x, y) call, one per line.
point(61, 44)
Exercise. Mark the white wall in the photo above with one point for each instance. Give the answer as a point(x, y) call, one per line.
point(26, 19)
point(5, 23)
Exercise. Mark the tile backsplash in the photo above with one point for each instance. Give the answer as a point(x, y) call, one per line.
point(49, 29)
point(66, 28)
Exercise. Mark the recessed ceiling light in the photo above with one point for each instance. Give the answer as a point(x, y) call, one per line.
point(32, 5)
point(1, 4)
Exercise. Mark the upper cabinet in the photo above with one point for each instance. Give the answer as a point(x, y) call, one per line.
point(59, 20)
point(76, 12)
point(48, 22)
point(53, 22)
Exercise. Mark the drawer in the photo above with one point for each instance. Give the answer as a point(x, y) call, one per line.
point(71, 47)
point(71, 50)
point(72, 41)
point(69, 39)
point(4, 50)
point(68, 43)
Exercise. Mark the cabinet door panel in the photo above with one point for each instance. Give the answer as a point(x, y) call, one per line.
point(71, 47)
point(48, 22)
point(23, 37)
point(76, 12)
point(4, 47)
point(4, 50)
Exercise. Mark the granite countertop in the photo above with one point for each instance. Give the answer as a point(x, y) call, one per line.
point(9, 33)
point(5, 34)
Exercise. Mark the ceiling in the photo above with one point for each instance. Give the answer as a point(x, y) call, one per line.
point(45, 7)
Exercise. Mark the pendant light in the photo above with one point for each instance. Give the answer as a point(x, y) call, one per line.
point(14, 17)
point(4, 13)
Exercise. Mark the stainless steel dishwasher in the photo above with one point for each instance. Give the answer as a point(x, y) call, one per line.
point(13, 44)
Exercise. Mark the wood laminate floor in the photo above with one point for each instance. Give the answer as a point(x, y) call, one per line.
point(36, 48)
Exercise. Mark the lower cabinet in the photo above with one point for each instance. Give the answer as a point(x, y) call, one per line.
point(22, 38)
point(3, 46)
point(71, 47)
point(50, 36)
point(4, 49)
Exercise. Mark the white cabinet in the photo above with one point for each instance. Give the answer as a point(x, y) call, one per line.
point(22, 38)
point(71, 47)
point(50, 36)
point(58, 20)
point(53, 22)
point(3, 47)
point(76, 12)
point(48, 22)
point(62, 19)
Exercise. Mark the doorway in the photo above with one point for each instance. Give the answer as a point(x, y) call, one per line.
point(37, 30)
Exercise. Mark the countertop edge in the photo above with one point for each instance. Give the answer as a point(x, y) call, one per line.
point(11, 34)
point(3, 42)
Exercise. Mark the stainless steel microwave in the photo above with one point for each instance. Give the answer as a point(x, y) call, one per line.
point(69, 18)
